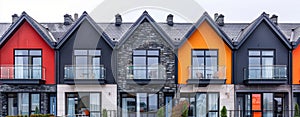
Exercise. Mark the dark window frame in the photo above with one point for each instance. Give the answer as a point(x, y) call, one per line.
point(262, 56)
point(128, 95)
point(76, 95)
point(207, 103)
point(30, 60)
point(88, 56)
point(15, 95)
point(146, 59)
point(204, 56)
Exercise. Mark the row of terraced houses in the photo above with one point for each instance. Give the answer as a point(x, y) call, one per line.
point(146, 68)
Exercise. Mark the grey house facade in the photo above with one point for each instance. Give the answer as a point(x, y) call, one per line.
point(86, 85)
point(146, 73)
point(262, 70)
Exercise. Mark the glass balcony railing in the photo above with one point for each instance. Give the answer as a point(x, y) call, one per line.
point(265, 72)
point(22, 72)
point(207, 72)
point(84, 72)
point(146, 72)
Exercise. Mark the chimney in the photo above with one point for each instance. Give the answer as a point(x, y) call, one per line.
point(274, 19)
point(216, 16)
point(170, 20)
point(75, 16)
point(118, 20)
point(68, 19)
point(15, 17)
point(220, 20)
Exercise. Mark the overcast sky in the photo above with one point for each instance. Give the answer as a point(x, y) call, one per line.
point(183, 10)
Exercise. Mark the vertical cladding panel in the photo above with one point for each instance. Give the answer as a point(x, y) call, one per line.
point(27, 38)
point(205, 37)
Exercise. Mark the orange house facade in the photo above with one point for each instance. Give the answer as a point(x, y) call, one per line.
point(205, 68)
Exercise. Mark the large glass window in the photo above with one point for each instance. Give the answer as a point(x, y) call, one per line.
point(261, 63)
point(83, 104)
point(87, 64)
point(23, 103)
point(207, 104)
point(145, 64)
point(28, 64)
point(204, 63)
point(190, 98)
point(140, 105)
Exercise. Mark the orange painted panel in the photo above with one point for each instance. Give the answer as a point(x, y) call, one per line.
point(257, 114)
point(204, 37)
point(256, 102)
point(296, 65)
point(27, 38)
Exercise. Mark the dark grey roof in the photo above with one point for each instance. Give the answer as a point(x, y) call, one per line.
point(42, 31)
point(233, 29)
point(3, 28)
point(85, 17)
point(57, 29)
point(175, 32)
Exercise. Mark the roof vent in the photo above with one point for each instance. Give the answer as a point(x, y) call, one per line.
point(68, 19)
point(15, 17)
point(170, 20)
point(274, 19)
point(220, 20)
point(118, 20)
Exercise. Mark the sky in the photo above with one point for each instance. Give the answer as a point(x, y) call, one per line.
point(238, 11)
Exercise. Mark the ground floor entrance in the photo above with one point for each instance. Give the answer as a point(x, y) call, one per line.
point(253, 104)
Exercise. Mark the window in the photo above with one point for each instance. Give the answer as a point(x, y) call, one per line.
point(190, 98)
point(88, 104)
point(204, 64)
point(140, 105)
point(87, 65)
point(207, 104)
point(23, 103)
point(261, 63)
point(28, 64)
point(145, 64)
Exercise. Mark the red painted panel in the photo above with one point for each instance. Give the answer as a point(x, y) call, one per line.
point(27, 38)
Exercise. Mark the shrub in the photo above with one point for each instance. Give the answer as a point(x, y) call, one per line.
point(297, 112)
point(161, 112)
point(224, 112)
point(104, 113)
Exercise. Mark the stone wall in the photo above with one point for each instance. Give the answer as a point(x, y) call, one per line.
point(43, 90)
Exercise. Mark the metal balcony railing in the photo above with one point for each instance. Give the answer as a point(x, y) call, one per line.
point(207, 72)
point(265, 72)
point(146, 72)
point(84, 72)
point(22, 72)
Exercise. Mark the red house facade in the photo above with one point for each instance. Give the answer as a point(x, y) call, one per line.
point(27, 59)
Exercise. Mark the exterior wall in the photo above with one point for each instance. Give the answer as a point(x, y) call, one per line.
point(263, 37)
point(85, 37)
point(44, 91)
point(146, 37)
point(27, 38)
point(205, 37)
point(296, 65)
point(108, 95)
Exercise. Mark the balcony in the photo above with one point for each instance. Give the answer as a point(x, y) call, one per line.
point(22, 74)
point(205, 75)
point(145, 74)
point(84, 74)
point(271, 74)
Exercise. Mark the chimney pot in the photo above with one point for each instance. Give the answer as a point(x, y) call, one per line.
point(220, 20)
point(274, 19)
point(170, 21)
point(68, 19)
point(15, 17)
point(118, 20)
point(75, 16)
point(216, 16)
